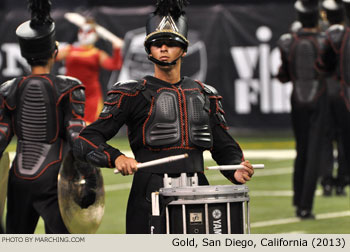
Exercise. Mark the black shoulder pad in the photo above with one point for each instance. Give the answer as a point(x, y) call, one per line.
point(335, 34)
point(7, 87)
point(127, 86)
point(64, 83)
point(78, 94)
point(210, 90)
point(114, 95)
point(8, 91)
point(78, 101)
point(285, 41)
point(110, 104)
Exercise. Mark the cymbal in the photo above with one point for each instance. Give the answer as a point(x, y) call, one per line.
point(81, 195)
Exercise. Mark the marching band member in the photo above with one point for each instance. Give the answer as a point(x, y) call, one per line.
point(45, 112)
point(166, 114)
point(333, 61)
point(299, 51)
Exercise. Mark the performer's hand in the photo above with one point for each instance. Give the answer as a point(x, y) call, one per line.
point(126, 165)
point(118, 43)
point(244, 175)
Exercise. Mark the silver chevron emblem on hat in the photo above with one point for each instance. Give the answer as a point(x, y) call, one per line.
point(167, 23)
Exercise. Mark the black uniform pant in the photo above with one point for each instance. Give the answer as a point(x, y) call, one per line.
point(139, 210)
point(308, 129)
point(341, 113)
point(338, 125)
point(27, 200)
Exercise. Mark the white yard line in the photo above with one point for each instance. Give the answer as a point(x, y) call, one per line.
point(269, 154)
point(286, 193)
point(296, 220)
point(295, 232)
point(218, 177)
point(251, 154)
point(248, 154)
point(117, 187)
point(258, 173)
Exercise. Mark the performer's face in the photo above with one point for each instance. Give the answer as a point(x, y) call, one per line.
point(87, 35)
point(166, 50)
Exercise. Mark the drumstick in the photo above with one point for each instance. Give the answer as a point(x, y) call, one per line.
point(158, 161)
point(233, 167)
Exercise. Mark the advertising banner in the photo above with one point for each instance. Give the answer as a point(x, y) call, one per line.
point(232, 47)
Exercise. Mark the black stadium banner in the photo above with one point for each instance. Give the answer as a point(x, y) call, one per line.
point(232, 47)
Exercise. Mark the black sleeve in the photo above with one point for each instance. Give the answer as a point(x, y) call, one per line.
point(284, 44)
point(226, 150)
point(283, 74)
point(91, 144)
point(327, 59)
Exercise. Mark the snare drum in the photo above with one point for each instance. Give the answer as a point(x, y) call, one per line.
point(222, 209)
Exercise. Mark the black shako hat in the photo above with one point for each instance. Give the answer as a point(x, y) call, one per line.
point(307, 12)
point(334, 11)
point(168, 21)
point(37, 36)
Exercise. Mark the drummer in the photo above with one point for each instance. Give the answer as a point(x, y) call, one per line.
point(44, 111)
point(166, 115)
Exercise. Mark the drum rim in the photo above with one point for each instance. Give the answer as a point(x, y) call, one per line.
point(204, 190)
point(208, 201)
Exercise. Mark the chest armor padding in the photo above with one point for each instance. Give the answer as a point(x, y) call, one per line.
point(36, 111)
point(179, 119)
point(164, 123)
point(198, 120)
point(306, 82)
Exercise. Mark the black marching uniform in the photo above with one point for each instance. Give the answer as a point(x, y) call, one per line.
point(334, 61)
point(299, 52)
point(44, 112)
point(333, 14)
point(337, 110)
point(163, 119)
